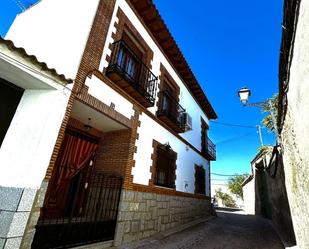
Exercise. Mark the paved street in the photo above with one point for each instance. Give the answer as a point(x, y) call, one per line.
point(231, 230)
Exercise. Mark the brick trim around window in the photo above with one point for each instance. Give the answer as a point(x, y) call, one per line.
point(157, 149)
point(125, 24)
point(167, 79)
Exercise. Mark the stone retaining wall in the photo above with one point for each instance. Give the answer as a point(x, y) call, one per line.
point(144, 214)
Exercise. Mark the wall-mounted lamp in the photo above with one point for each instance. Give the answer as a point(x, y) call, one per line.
point(87, 126)
point(187, 147)
point(167, 146)
point(244, 93)
point(112, 105)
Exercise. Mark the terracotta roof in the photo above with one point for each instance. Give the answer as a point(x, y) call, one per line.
point(153, 20)
point(22, 52)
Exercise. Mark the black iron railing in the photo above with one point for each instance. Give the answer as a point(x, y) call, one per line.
point(133, 70)
point(210, 149)
point(170, 108)
point(88, 216)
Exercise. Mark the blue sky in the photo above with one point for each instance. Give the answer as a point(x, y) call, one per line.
point(228, 44)
point(8, 11)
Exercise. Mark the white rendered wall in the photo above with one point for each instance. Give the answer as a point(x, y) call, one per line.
point(249, 197)
point(186, 99)
point(29, 142)
point(107, 95)
point(55, 31)
point(151, 130)
point(186, 157)
point(296, 131)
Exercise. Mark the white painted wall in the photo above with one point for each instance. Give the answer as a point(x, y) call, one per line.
point(107, 95)
point(151, 130)
point(55, 31)
point(27, 147)
point(47, 24)
point(186, 99)
point(186, 157)
point(148, 131)
point(249, 197)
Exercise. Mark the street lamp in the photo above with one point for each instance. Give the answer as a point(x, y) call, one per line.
point(244, 94)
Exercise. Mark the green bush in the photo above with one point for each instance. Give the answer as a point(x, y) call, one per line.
point(227, 200)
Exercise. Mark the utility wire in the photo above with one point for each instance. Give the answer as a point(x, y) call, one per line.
point(217, 174)
point(219, 179)
point(234, 125)
point(235, 138)
point(20, 5)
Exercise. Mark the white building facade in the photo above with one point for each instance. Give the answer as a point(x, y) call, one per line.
point(33, 103)
point(137, 118)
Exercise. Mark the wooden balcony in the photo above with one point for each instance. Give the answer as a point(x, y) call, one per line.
point(131, 74)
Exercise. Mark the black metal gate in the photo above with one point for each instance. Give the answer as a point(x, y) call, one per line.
point(90, 215)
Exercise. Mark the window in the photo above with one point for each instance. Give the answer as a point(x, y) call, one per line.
point(130, 62)
point(200, 180)
point(171, 91)
point(164, 166)
point(130, 57)
point(169, 109)
point(132, 43)
point(170, 96)
point(204, 136)
point(10, 96)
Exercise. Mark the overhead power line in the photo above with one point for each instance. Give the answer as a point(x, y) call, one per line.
point(216, 174)
point(219, 180)
point(20, 4)
point(235, 138)
point(234, 125)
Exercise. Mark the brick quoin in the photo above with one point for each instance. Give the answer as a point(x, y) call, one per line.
point(117, 148)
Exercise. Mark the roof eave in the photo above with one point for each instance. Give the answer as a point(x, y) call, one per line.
point(153, 20)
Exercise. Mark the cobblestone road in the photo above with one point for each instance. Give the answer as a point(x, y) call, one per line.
point(230, 230)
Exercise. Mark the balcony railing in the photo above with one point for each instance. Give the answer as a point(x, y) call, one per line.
point(171, 112)
point(210, 149)
point(131, 74)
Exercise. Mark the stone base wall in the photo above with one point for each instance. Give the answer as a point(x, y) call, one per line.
point(144, 214)
point(34, 216)
point(15, 208)
point(296, 161)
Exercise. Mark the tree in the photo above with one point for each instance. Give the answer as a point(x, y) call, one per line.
point(227, 200)
point(271, 105)
point(234, 184)
point(265, 149)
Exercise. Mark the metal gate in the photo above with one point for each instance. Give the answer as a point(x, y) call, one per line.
point(90, 215)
